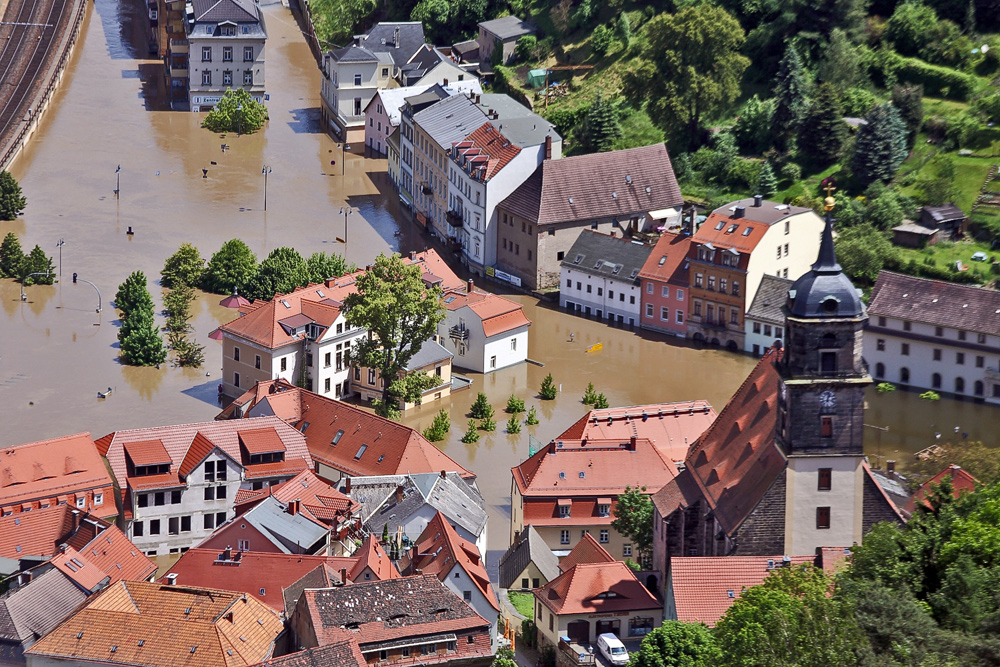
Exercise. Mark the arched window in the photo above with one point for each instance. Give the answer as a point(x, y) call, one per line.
point(959, 385)
point(904, 375)
point(977, 388)
point(936, 381)
point(828, 340)
point(880, 370)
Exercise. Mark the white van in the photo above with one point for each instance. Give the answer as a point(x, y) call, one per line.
point(612, 649)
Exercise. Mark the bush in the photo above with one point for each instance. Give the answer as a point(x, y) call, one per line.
point(184, 267)
point(930, 396)
point(489, 425)
point(589, 396)
point(471, 433)
point(515, 405)
point(12, 202)
point(481, 409)
point(885, 387)
point(526, 47)
point(532, 418)
point(937, 81)
point(601, 39)
point(601, 402)
point(513, 424)
point(858, 102)
point(548, 389)
point(438, 430)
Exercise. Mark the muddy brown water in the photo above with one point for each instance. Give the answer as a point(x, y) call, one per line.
point(56, 352)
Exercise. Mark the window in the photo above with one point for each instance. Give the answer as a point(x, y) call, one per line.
point(786, 250)
point(880, 370)
point(357, 79)
point(881, 321)
point(756, 327)
point(584, 533)
point(467, 595)
point(206, 77)
point(209, 493)
point(513, 348)
point(960, 358)
point(227, 54)
point(236, 379)
point(256, 362)
point(980, 361)
point(649, 288)
point(563, 537)
point(173, 526)
point(206, 54)
point(723, 285)
point(406, 652)
point(137, 529)
point(564, 511)
point(905, 349)
point(154, 527)
point(209, 521)
point(493, 361)
point(640, 627)
point(326, 385)
point(665, 292)
point(777, 332)
point(826, 426)
point(680, 316)
point(825, 479)
point(248, 54)
point(371, 376)
point(626, 551)
point(698, 280)
point(981, 339)
point(220, 518)
point(631, 300)
point(209, 471)
point(579, 286)
point(907, 325)
point(822, 517)
point(697, 308)
point(236, 354)
point(81, 502)
point(284, 364)
point(787, 223)
point(936, 381)
point(550, 620)
point(143, 500)
point(767, 329)
point(880, 344)
point(604, 510)
point(937, 354)
point(733, 316)
point(939, 331)
point(185, 524)
point(665, 314)
point(589, 288)
point(904, 375)
point(649, 310)
point(959, 385)
point(248, 81)
point(779, 252)
point(535, 582)
point(569, 283)
point(736, 288)
point(175, 497)
point(711, 283)
point(604, 536)
point(227, 78)
point(159, 499)
point(524, 582)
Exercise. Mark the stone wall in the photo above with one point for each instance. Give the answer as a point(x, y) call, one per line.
point(763, 532)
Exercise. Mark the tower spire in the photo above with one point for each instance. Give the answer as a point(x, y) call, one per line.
point(827, 260)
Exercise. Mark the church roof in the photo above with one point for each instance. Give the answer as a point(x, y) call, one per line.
point(824, 291)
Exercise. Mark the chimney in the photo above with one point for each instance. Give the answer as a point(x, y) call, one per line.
point(445, 84)
point(76, 519)
point(172, 579)
point(293, 507)
point(552, 447)
point(631, 444)
point(227, 554)
point(614, 234)
point(347, 486)
point(343, 575)
point(548, 147)
point(399, 493)
point(395, 37)
point(444, 475)
point(469, 286)
point(413, 255)
point(63, 547)
point(478, 97)
point(738, 213)
point(517, 537)
point(758, 200)
point(890, 466)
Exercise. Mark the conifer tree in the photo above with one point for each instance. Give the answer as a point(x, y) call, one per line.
point(602, 127)
point(12, 202)
point(37, 262)
point(823, 130)
point(790, 93)
point(11, 256)
point(881, 145)
point(767, 182)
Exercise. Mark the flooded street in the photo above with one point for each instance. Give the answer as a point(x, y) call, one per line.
point(56, 352)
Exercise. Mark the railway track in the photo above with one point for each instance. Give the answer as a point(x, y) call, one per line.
point(30, 33)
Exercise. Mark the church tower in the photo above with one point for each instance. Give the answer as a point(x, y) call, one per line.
point(822, 404)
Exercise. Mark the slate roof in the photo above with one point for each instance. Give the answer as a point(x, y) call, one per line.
point(343, 653)
point(288, 532)
point(392, 448)
point(379, 611)
point(704, 588)
point(522, 126)
point(393, 99)
point(607, 256)
point(767, 303)
point(544, 198)
point(942, 213)
point(667, 262)
point(125, 624)
point(508, 27)
point(354, 54)
point(430, 352)
point(439, 549)
point(528, 548)
point(936, 302)
point(450, 120)
point(382, 38)
point(30, 612)
point(217, 11)
point(587, 550)
point(671, 427)
point(596, 588)
point(450, 495)
point(48, 468)
point(321, 576)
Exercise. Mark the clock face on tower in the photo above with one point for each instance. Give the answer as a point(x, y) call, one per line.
point(827, 399)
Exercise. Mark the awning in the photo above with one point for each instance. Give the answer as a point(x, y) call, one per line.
point(604, 501)
point(564, 502)
point(663, 213)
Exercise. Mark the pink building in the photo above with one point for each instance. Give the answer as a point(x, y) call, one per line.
point(664, 279)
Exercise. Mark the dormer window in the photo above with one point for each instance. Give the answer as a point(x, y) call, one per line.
point(604, 510)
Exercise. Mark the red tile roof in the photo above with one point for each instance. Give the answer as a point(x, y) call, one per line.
point(49, 468)
point(261, 441)
point(573, 468)
point(735, 461)
point(705, 587)
point(936, 302)
point(439, 549)
point(83, 573)
point(254, 572)
point(147, 453)
point(961, 483)
point(668, 261)
point(596, 588)
point(401, 449)
point(757, 218)
point(671, 427)
point(484, 152)
point(113, 553)
point(372, 556)
point(199, 450)
point(587, 550)
point(35, 533)
point(497, 314)
point(317, 496)
point(344, 653)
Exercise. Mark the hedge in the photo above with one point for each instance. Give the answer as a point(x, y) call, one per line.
point(937, 81)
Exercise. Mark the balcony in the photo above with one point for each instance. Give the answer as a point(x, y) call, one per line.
point(992, 374)
point(454, 218)
point(179, 46)
point(458, 333)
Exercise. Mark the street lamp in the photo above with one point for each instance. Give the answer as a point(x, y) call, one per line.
point(344, 147)
point(100, 305)
point(345, 211)
point(60, 245)
point(118, 182)
point(24, 297)
point(265, 170)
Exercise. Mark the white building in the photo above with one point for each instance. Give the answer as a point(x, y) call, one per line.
point(383, 112)
point(179, 482)
point(226, 41)
point(599, 277)
point(765, 319)
point(929, 334)
point(484, 331)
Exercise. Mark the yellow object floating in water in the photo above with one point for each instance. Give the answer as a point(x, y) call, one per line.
point(595, 347)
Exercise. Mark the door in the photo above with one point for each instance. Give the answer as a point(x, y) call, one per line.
point(579, 631)
point(612, 626)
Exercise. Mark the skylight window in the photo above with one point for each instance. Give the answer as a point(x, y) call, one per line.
point(337, 437)
point(361, 451)
point(450, 299)
point(663, 260)
point(746, 232)
point(721, 224)
point(617, 269)
point(579, 258)
point(320, 292)
point(732, 228)
point(285, 304)
point(635, 272)
point(599, 264)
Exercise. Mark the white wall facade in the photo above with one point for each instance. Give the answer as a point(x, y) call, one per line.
point(760, 336)
point(460, 583)
point(204, 95)
point(345, 96)
point(479, 353)
point(600, 297)
point(789, 249)
point(844, 499)
point(505, 349)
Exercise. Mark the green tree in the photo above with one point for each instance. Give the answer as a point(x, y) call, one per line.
point(515, 405)
point(400, 314)
point(488, 424)
point(790, 91)
point(863, 251)
point(937, 185)
point(979, 460)
point(692, 68)
point(12, 202)
point(237, 111)
point(481, 408)
point(231, 268)
point(601, 402)
point(280, 273)
point(467, 14)
point(909, 101)
point(504, 658)
point(471, 433)
point(532, 418)
point(434, 15)
point(590, 395)
point(910, 26)
point(601, 40)
point(548, 390)
point(526, 47)
point(132, 295)
point(676, 644)
point(321, 266)
point(11, 256)
point(513, 424)
point(602, 126)
point(439, 428)
point(752, 129)
point(184, 267)
point(767, 182)
point(634, 518)
point(841, 63)
point(823, 130)
point(623, 30)
point(880, 146)
point(336, 21)
point(884, 212)
point(37, 261)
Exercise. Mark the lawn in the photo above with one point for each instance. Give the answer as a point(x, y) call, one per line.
point(947, 253)
point(524, 603)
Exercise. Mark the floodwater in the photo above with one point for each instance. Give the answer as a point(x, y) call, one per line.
point(56, 352)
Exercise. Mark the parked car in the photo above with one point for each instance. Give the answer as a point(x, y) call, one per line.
point(612, 649)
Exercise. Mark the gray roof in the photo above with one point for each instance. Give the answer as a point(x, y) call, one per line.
point(825, 291)
point(914, 228)
point(29, 612)
point(430, 352)
point(450, 120)
point(216, 11)
point(465, 47)
point(320, 576)
point(529, 548)
point(607, 256)
point(522, 126)
point(354, 54)
point(508, 27)
point(770, 297)
point(292, 533)
point(461, 503)
point(383, 38)
point(943, 213)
